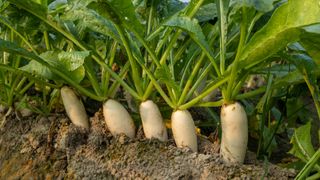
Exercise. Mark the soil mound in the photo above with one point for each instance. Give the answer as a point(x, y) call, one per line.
point(50, 147)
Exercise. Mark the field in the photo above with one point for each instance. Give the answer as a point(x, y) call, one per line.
point(149, 89)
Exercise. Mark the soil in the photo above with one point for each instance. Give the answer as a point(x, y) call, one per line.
point(38, 147)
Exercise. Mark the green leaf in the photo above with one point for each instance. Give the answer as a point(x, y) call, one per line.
point(282, 29)
point(223, 7)
point(305, 172)
point(10, 47)
point(190, 25)
point(92, 20)
point(57, 5)
point(295, 107)
point(31, 5)
point(120, 12)
point(164, 75)
point(260, 5)
point(72, 60)
point(301, 141)
point(311, 42)
point(194, 30)
point(65, 75)
point(69, 62)
point(267, 134)
point(303, 63)
point(37, 68)
point(206, 12)
point(294, 77)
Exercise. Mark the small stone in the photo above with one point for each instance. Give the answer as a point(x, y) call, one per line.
point(2, 108)
point(230, 173)
point(62, 164)
point(25, 112)
point(121, 140)
point(193, 155)
point(243, 176)
point(292, 170)
point(52, 118)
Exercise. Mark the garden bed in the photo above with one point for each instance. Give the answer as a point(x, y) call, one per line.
point(50, 147)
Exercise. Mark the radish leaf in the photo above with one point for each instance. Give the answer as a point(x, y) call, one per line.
point(282, 28)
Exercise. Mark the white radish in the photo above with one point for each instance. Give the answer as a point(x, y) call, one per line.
point(234, 139)
point(184, 130)
point(152, 122)
point(118, 119)
point(74, 108)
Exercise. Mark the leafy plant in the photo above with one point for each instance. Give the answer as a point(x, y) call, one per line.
point(303, 149)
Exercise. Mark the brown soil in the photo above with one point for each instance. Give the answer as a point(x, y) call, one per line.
point(52, 148)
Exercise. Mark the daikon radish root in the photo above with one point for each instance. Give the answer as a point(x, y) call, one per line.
point(118, 119)
point(74, 108)
point(152, 122)
point(234, 139)
point(184, 130)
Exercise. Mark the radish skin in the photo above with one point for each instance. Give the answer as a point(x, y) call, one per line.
point(234, 139)
point(184, 130)
point(118, 119)
point(152, 122)
point(74, 108)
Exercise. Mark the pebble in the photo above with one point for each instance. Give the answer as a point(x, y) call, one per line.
point(2, 108)
point(121, 139)
point(25, 112)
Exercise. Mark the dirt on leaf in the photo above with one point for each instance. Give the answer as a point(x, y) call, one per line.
point(51, 147)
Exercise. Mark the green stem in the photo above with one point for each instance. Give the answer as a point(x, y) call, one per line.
point(251, 93)
point(193, 10)
point(157, 86)
point(190, 13)
point(134, 67)
point(113, 89)
point(239, 85)
point(92, 78)
point(223, 30)
point(4, 21)
point(106, 76)
point(314, 177)
point(190, 80)
point(20, 84)
point(46, 40)
point(26, 87)
point(265, 110)
point(199, 80)
point(162, 61)
point(186, 68)
point(204, 94)
point(211, 104)
point(234, 70)
point(308, 167)
point(28, 75)
point(181, 50)
point(121, 81)
point(315, 96)
point(13, 86)
point(150, 18)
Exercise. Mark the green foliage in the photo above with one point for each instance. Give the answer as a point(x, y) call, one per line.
point(310, 41)
point(303, 149)
point(92, 20)
point(302, 145)
point(71, 63)
point(260, 5)
point(172, 52)
point(280, 30)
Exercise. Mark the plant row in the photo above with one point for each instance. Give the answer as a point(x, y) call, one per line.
point(200, 54)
